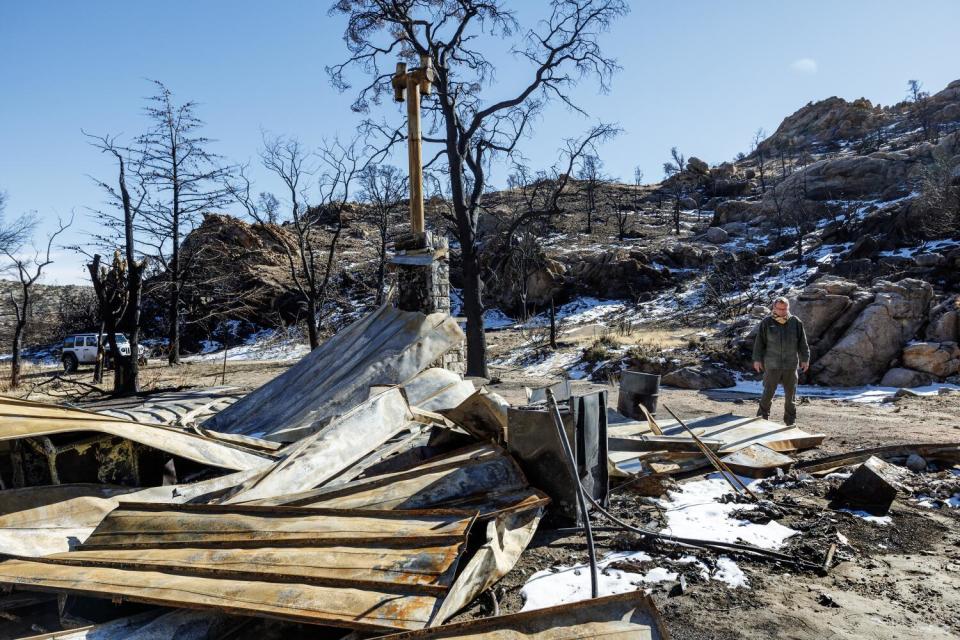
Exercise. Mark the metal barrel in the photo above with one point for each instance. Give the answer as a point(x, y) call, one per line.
point(638, 388)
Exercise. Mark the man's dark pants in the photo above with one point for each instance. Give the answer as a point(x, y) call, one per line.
point(772, 378)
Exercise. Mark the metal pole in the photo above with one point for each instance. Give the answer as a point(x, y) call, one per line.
point(415, 155)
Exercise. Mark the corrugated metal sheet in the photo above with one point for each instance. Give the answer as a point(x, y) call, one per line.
point(629, 616)
point(732, 431)
point(26, 419)
point(174, 408)
point(321, 456)
point(147, 525)
point(481, 477)
point(357, 569)
point(386, 347)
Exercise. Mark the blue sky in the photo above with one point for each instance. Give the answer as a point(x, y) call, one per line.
point(700, 75)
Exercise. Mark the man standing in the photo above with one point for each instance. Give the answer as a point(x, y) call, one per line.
point(780, 347)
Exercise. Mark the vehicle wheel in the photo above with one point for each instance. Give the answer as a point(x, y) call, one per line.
point(70, 363)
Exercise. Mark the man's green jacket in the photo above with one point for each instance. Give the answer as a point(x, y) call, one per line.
point(781, 346)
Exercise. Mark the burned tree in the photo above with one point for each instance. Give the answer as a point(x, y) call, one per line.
point(937, 210)
point(383, 188)
point(673, 170)
point(310, 263)
point(590, 175)
point(471, 130)
point(119, 288)
point(920, 109)
point(186, 180)
point(757, 148)
point(537, 197)
point(27, 270)
point(621, 212)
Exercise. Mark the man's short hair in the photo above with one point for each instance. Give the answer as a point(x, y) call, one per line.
point(783, 300)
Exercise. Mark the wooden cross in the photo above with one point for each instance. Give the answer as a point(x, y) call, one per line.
point(410, 85)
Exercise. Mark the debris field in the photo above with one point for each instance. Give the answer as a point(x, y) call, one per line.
point(367, 492)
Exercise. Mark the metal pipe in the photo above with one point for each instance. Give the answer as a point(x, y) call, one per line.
point(581, 494)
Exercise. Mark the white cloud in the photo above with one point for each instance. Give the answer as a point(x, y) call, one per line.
point(806, 66)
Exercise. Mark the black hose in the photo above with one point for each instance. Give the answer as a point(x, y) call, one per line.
point(581, 494)
point(715, 545)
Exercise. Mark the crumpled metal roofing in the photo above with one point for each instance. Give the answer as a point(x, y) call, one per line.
point(386, 347)
point(357, 569)
point(26, 419)
point(628, 616)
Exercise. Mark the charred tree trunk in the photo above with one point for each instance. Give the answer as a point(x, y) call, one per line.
point(15, 362)
point(173, 311)
point(381, 267)
point(473, 309)
point(98, 366)
point(313, 330)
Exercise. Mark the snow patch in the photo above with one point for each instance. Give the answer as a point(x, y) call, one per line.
point(696, 512)
point(869, 517)
point(868, 394)
point(562, 585)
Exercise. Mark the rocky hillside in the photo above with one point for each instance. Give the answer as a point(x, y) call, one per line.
point(851, 209)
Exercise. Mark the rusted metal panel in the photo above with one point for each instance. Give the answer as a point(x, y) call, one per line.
point(480, 477)
point(628, 616)
point(146, 525)
point(26, 419)
point(386, 347)
point(336, 606)
point(414, 569)
point(359, 569)
point(757, 461)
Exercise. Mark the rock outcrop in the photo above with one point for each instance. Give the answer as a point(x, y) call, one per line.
point(876, 337)
point(704, 376)
point(905, 378)
point(847, 177)
point(939, 359)
point(716, 235)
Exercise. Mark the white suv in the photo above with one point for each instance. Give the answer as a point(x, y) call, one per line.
point(81, 348)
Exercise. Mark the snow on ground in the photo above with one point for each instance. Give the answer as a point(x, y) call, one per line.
point(953, 502)
point(267, 344)
point(539, 363)
point(48, 356)
point(869, 517)
point(561, 585)
point(695, 511)
point(867, 395)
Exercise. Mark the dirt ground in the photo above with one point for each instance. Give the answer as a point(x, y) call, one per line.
point(896, 581)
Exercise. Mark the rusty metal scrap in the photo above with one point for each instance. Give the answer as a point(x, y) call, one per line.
point(481, 477)
point(629, 616)
point(356, 569)
point(25, 419)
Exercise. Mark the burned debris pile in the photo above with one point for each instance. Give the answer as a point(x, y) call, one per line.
point(366, 491)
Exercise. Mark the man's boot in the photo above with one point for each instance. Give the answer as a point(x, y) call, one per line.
point(761, 414)
point(789, 421)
